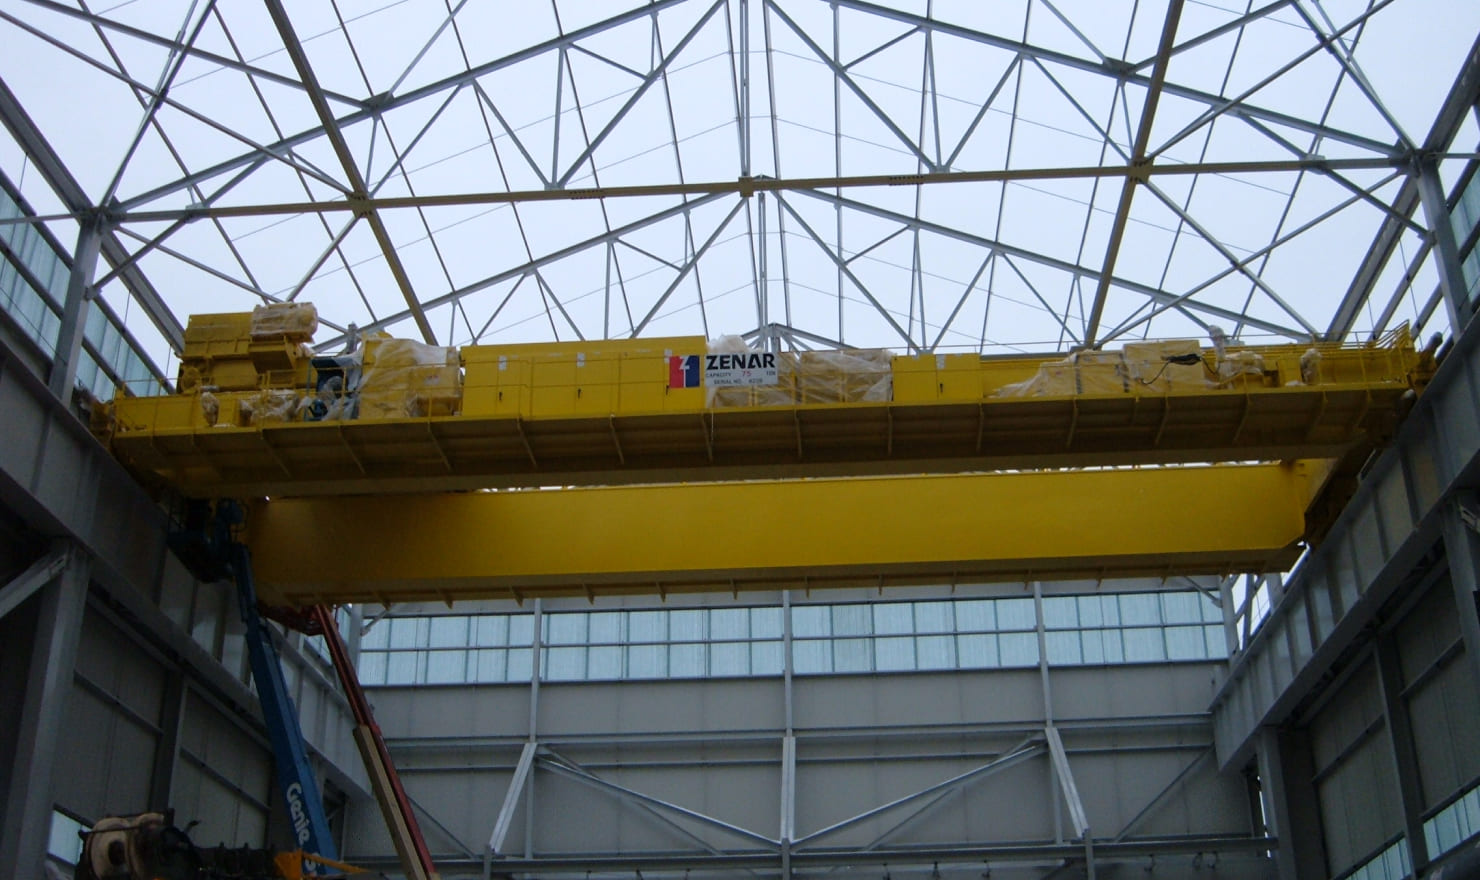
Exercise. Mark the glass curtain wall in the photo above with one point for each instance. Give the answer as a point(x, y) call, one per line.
point(881, 637)
point(34, 271)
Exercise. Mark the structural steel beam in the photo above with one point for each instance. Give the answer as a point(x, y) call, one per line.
point(1460, 102)
point(752, 535)
point(42, 708)
point(1137, 169)
point(360, 193)
point(749, 186)
point(24, 585)
point(1401, 510)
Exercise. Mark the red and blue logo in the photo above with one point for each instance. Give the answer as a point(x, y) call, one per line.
point(683, 371)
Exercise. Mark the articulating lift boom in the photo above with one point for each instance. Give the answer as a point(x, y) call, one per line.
point(209, 546)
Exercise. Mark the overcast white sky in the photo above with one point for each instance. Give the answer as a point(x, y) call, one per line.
point(657, 96)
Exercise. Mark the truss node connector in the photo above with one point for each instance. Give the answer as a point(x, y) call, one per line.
point(359, 203)
point(1140, 169)
point(1118, 67)
point(1316, 162)
point(747, 186)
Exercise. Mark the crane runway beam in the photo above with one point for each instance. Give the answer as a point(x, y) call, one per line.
point(862, 531)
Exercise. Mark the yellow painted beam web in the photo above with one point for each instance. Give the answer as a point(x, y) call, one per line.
point(795, 533)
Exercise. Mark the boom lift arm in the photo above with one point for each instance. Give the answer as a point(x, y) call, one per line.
point(209, 546)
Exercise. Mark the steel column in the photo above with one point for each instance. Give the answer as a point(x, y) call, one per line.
point(167, 748)
point(1446, 249)
point(536, 673)
point(1462, 548)
point(1291, 813)
point(74, 311)
point(1401, 747)
point(28, 800)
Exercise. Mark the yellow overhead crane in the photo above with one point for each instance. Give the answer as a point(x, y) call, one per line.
point(818, 468)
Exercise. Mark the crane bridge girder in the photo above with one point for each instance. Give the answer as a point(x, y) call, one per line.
point(758, 535)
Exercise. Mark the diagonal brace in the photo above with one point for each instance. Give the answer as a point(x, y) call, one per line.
point(24, 585)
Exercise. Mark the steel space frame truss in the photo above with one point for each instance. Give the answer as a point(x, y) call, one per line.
point(137, 231)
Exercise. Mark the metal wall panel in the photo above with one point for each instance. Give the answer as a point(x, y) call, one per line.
point(1137, 737)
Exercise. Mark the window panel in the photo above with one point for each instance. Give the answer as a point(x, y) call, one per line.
point(1018, 649)
point(686, 661)
point(767, 658)
point(729, 658)
point(1060, 612)
point(1143, 610)
point(604, 664)
point(811, 657)
point(447, 667)
point(565, 664)
point(895, 654)
point(521, 630)
point(729, 623)
point(64, 841)
point(1063, 648)
point(449, 632)
point(1216, 641)
point(378, 636)
point(647, 662)
point(647, 626)
point(1092, 646)
point(565, 629)
point(853, 655)
point(810, 620)
point(895, 618)
point(1016, 614)
point(978, 652)
point(1186, 643)
point(1212, 612)
point(604, 627)
point(492, 631)
point(935, 652)
point(766, 623)
point(372, 668)
point(934, 617)
point(850, 620)
point(401, 668)
point(1142, 645)
point(1182, 607)
point(521, 663)
point(1089, 611)
point(686, 626)
point(492, 666)
point(407, 632)
point(976, 615)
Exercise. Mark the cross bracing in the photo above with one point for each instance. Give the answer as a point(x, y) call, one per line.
point(924, 176)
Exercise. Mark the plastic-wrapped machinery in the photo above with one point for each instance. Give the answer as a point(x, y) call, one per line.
point(296, 321)
point(847, 376)
point(403, 378)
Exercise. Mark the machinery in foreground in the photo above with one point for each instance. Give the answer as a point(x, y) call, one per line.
point(150, 847)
